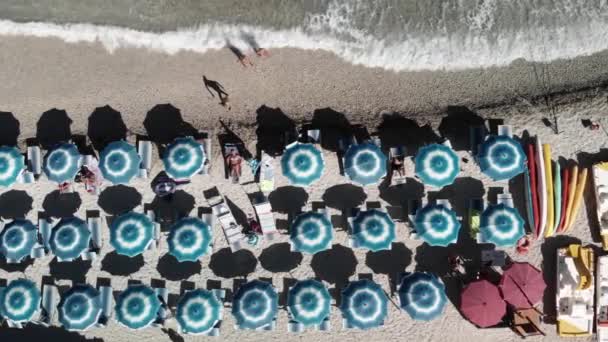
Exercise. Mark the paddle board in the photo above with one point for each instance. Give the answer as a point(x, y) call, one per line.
point(542, 188)
point(532, 191)
point(571, 193)
point(578, 196)
point(549, 189)
point(565, 189)
point(557, 194)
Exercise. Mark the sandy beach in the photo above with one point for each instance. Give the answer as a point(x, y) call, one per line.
point(41, 74)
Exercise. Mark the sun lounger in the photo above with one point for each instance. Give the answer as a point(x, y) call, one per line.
point(26, 177)
point(144, 148)
point(106, 298)
point(34, 160)
point(48, 304)
point(266, 174)
point(44, 226)
point(232, 231)
point(263, 210)
point(412, 210)
point(397, 152)
point(350, 219)
point(157, 230)
point(505, 130)
point(205, 141)
point(506, 199)
point(476, 207)
point(163, 311)
point(94, 224)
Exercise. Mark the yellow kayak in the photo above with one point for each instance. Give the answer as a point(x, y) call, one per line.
point(549, 178)
point(578, 196)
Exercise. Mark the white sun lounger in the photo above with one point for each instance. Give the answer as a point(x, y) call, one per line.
point(232, 231)
point(48, 303)
point(163, 311)
point(263, 210)
point(156, 237)
point(44, 226)
point(506, 199)
point(144, 148)
point(34, 159)
point(107, 305)
point(506, 130)
point(397, 152)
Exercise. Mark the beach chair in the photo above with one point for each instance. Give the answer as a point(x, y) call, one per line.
point(163, 311)
point(506, 130)
point(527, 322)
point(266, 174)
point(399, 153)
point(106, 298)
point(26, 177)
point(351, 214)
point(34, 160)
point(232, 231)
point(44, 227)
point(412, 209)
point(476, 207)
point(477, 135)
point(263, 210)
point(48, 304)
point(506, 199)
point(203, 139)
point(94, 223)
point(157, 230)
point(144, 148)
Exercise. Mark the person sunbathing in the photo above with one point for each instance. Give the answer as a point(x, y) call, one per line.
point(397, 165)
point(233, 162)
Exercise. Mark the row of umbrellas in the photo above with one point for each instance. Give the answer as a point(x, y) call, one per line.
point(311, 232)
point(255, 304)
point(119, 162)
point(500, 157)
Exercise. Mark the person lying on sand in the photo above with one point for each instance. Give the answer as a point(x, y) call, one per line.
point(261, 52)
point(225, 102)
point(244, 60)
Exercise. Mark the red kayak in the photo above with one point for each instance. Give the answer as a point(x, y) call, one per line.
point(565, 199)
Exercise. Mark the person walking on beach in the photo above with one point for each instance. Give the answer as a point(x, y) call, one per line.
point(221, 92)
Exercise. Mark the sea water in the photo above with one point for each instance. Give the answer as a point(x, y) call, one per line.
point(390, 34)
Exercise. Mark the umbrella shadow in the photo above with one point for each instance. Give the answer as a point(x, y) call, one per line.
point(171, 269)
point(275, 131)
point(18, 267)
point(288, 199)
point(549, 251)
point(456, 126)
point(119, 199)
point(34, 332)
point(170, 209)
point(121, 265)
point(279, 258)
point(105, 126)
point(53, 127)
point(344, 196)
point(15, 204)
point(517, 188)
point(335, 265)
point(226, 264)
point(460, 192)
point(229, 136)
point(239, 215)
point(164, 123)
point(397, 130)
point(399, 195)
point(390, 262)
point(75, 270)
point(173, 335)
point(61, 205)
point(9, 129)
point(333, 126)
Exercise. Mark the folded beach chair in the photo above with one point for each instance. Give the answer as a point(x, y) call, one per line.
point(106, 297)
point(94, 223)
point(351, 214)
point(157, 230)
point(144, 148)
point(48, 304)
point(163, 311)
point(397, 152)
point(232, 231)
point(263, 210)
point(34, 160)
point(220, 294)
point(44, 227)
point(506, 130)
point(412, 209)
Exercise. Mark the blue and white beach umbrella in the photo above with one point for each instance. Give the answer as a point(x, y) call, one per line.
point(17, 239)
point(12, 164)
point(189, 239)
point(437, 225)
point(137, 307)
point(183, 158)
point(302, 164)
point(437, 165)
point(311, 233)
point(373, 229)
point(62, 163)
point(364, 304)
point(501, 157)
point(198, 312)
point(19, 301)
point(365, 163)
point(309, 302)
point(501, 225)
point(80, 308)
point(255, 305)
point(422, 296)
point(131, 233)
point(119, 162)
point(69, 238)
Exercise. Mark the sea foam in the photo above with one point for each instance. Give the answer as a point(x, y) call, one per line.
point(331, 31)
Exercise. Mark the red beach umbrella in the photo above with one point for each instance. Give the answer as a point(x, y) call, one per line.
point(480, 303)
point(522, 285)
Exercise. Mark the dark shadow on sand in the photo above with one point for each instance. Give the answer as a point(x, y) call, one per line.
point(9, 129)
point(33, 332)
point(164, 123)
point(460, 192)
point(61, 205)
point(19, 267)
point(274, 131)
point(279, 258)
point(456, 126)
point(169, 210)
point(171, 269)
point(226, 264)
point(398, 195)
point(390, 262)
point(121, 265)
point(105, 126)
point(333, 126)
point(344, 196)
point(335, 265)
point(396, 130)
point(75, 270)
point(288, 199)
point(53, 127)
point(119, 199)
point(15, 204)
